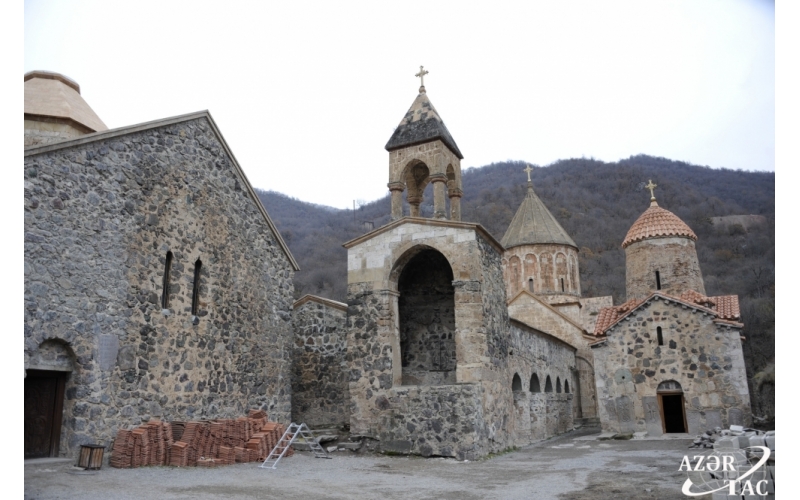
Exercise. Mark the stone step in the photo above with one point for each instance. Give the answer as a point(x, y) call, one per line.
point(587, 422)
point(326, 430)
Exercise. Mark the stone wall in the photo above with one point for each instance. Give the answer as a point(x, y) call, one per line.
point(100, 217)
point(544, 267)
point(444, 420)
point(480, 413)
point(703, 356)
point(545, 414)
point(40, 132)
point(320, 386)
point(537, 314)
point(674, 258)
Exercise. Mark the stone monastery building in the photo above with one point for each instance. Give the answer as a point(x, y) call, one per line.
point(156, 285)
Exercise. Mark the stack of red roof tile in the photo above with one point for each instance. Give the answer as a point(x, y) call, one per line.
point(204, 444)
point(122, 449)
point(178, 454)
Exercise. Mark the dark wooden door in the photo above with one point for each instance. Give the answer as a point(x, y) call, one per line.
point(44, 396)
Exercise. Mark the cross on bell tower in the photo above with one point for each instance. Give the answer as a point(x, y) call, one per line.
point(421, 76)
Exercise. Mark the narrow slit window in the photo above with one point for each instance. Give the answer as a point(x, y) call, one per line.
point(530, 285)
point(196, 287)
point(165, 284)
point(658, 280)
point(660, 335)
point(562, 284)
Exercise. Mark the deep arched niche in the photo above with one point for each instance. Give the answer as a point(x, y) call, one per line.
point(426, 310)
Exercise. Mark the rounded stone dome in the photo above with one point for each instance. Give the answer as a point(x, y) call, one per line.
point(657, 222)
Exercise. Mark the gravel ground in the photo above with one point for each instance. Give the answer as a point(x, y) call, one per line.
point(562, 468)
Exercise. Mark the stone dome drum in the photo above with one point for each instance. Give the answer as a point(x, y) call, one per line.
point(660, 255)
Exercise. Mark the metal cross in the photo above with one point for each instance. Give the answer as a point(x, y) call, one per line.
point(651, 187)
point(421, 76)
point(528, 170)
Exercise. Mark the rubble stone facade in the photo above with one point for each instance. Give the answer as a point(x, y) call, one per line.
point(154, 281)
point(669, 360)
point(675, 260)
point(700, 353)
point(320, 385)
point(463, 407)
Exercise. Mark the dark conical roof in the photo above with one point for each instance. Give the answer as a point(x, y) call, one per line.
point(421, 124)
point(533, 224)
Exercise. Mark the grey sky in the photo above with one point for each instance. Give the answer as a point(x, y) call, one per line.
point(308, 93)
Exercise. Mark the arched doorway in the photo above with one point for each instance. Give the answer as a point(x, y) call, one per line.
point(671, 404)
point(426, 310)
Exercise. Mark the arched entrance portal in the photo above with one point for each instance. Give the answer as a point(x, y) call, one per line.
point(671, 404)
point(426, 310)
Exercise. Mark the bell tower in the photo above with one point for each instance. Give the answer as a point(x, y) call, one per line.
point(421, 150)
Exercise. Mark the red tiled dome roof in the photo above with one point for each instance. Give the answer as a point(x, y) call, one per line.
point(657, 222)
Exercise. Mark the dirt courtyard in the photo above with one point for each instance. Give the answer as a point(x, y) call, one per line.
point(570, 467)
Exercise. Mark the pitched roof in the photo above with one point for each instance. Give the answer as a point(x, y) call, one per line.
point(319, 300)
point(725, 308)
point(607, 316)
point(53, 95)
point(117, 132)
point(421, 124)
point(533, 224)
point(657, 222)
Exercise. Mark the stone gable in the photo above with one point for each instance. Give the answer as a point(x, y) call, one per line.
point(101, 214)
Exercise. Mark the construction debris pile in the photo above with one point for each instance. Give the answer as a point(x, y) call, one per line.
point(743, 437)
point(741, 450)
point(203, 444)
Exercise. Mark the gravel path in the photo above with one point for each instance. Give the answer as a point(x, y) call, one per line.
point(562, 468)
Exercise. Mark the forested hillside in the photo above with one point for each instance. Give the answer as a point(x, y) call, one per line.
point(596, 203)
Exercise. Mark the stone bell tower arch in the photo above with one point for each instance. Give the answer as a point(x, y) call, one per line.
point(421, 151)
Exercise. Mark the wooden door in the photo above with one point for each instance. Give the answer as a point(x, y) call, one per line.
point(44, 398)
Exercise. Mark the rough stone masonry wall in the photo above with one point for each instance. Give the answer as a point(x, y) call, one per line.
point(99, 220)
point(545, 414)
point(320, 386)
point(498, 401)
point(444, 420)
point(674, 258)
point(704, 357)
point(373, 329)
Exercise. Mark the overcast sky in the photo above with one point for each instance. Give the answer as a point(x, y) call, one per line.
point(308, 93)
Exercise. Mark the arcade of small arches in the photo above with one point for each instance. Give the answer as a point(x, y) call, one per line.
point(550, 271)
point(413, 181)
point(535, 386)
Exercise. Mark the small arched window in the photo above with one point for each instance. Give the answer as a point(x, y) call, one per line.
point(566, 386)
point(658, 280)
point(660, 335)
point(530, 285)
point(548, 385)
point(165, 284)
point(558, 384)
point(534, 387)
point(196, 287)
point(516, 383)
